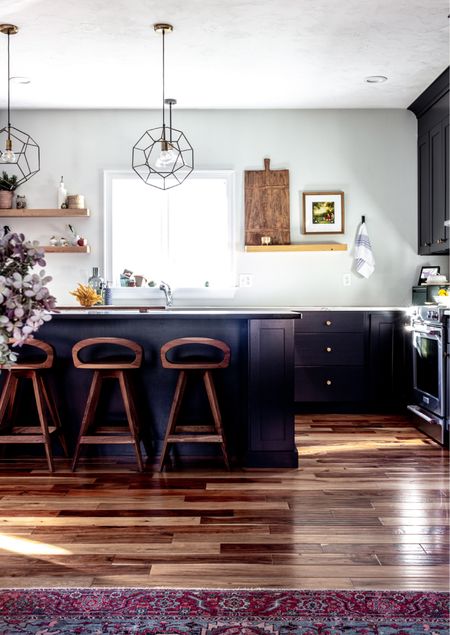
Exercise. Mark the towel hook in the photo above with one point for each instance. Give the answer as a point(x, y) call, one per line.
point(363, 219)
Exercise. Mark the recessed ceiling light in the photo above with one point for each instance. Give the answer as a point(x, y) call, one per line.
point(20, 80)
point(375, 79)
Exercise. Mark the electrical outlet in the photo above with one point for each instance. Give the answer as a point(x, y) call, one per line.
point(245, 279)
point(347, 279)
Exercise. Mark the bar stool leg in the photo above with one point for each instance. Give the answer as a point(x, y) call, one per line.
point(212, 398)
point(130, 411)
point(7, 392)
point(54, 416)
point(174, 410)
point(42, 420)
point(88, 417)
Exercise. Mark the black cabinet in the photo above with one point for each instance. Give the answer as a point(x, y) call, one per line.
point(330, 357)
point(389, 360)
point(270, 394)
point(432, 112)
point(351, 360)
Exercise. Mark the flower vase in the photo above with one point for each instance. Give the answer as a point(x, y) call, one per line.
point(6, 197)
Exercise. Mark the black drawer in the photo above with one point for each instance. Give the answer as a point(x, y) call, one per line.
point(330, 384)
point(329, 321)
point(320, 349)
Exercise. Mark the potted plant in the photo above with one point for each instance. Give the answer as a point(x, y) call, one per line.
point(7, 186)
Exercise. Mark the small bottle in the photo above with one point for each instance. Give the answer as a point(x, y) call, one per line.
point(107, 298)
point(96, 282)
point(62, 194)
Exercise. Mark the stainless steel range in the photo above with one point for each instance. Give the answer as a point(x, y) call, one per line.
point(428, 331)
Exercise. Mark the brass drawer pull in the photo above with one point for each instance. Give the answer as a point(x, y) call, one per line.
point(328, 323)
point(328, 382)
point(328, 349)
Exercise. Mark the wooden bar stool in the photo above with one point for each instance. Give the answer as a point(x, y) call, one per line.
point(49, 420)
point(108, 367)
point(201, 365)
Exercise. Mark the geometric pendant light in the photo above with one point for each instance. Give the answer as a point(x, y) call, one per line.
point(18, 149)
point(163, 157)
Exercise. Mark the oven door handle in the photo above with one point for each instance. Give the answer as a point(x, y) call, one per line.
point(417, 411)
point(424, 330)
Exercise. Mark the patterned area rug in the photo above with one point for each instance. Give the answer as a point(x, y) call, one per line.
point(194, 612)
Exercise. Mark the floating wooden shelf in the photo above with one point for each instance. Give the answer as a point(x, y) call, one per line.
point(304, 247)
point(40, 213)
point(72, 249)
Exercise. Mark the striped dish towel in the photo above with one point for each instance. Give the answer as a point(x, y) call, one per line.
point(364, 260)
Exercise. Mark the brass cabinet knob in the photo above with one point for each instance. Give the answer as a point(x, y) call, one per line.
point(328, 349)
point(328, 382)
point(328, 322)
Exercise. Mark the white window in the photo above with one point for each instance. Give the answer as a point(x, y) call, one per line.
point(183, 236)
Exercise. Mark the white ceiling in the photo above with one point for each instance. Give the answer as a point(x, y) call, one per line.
point(224, 53)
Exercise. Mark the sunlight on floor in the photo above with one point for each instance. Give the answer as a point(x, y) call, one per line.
point(26, 547)
point(352, 446)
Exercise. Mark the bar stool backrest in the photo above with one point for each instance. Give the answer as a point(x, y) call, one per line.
point(47, 362)
point(105, 364)
point(195, 364)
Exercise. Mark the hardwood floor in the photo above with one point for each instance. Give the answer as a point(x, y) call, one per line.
point(367, 509)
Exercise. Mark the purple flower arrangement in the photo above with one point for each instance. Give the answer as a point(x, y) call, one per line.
point(25, 301)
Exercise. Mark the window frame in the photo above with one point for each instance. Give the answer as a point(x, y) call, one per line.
point(109, 175)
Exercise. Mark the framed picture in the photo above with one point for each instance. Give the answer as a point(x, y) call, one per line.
point(323, 212)
point(430, 270)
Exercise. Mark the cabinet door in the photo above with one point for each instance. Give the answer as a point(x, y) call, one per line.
point(271, 429)
point(389, 368)
point(423, 158)
point(446, 150)
point(437, 189)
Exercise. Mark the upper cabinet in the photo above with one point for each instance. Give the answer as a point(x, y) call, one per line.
point(432, 112)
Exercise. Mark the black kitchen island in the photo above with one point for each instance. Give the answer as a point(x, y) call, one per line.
point(256, 392)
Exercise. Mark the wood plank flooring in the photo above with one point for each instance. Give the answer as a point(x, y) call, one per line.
point(368, 509)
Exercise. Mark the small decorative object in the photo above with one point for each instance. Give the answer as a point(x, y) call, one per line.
point(141, 281)
point(206, 283)
point(126, 277)
point(63, 242)
point(266, 240)
point(21, 201)
point(53, 241)
point(152, 283)
point(7, 186)
point(323, 212)
point(64, 206)
point(25, 301)
point(108, 293)
point(86, 296)
point(75, 201)
point(81, 242)
point(73, 235)
point(428, 271)
point(96, 282)
point(61, 193)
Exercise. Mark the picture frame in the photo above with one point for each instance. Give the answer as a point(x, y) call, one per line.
point(323, 212)
point(428, 270)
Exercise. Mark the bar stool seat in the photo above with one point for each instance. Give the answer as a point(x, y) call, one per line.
point(187, 364)
point(107, 365)
point(32, 369)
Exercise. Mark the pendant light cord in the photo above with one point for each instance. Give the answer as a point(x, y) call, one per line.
point(163, 82)
point(9, 84)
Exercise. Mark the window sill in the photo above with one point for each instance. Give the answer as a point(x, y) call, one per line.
point(153, 295)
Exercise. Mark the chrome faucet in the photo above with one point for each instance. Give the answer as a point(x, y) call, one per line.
point(167, 292)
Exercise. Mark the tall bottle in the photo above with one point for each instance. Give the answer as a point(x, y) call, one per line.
point(62, 193)
point(96, 282)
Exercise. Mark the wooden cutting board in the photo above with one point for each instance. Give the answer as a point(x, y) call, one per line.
point(267, 205)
